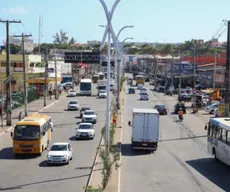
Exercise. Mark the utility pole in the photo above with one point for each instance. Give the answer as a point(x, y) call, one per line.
point(226, 76)
point(8, 73)
point(165, 78)
point(24, 71)
point(46, 75)
point(214, 74)
point(180, 72)
point(56, 84)
point(194, 80)
point(172, 71)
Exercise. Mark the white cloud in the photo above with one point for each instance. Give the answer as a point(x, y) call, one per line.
point(18, 10)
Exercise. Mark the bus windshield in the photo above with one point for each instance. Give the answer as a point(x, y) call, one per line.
point(85, 86)
point(26, 132)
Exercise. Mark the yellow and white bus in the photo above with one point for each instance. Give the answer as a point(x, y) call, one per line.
point(140, 79)
point(218, 135)
point(32, 135)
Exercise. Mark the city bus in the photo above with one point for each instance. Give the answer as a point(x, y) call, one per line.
point(140, 79)
point(101, 76)
point(32, 135)
point(95, 78)
point(218, 136)
point(86, 87)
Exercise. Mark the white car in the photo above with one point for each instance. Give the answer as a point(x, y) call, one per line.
point(139, 86)
point(144, 96)
point(85, 130)
point(211, 108)
point(73, 105)
point(102, 94)
point(89, 116)
point(72, 93)
point(143, 90)
point(111, 87)
point(60, 153)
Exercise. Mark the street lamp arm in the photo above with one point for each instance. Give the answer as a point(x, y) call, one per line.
point(104, 37)
point(114, 38)
point(105, 9)
point(121, 31)
point(114, 7)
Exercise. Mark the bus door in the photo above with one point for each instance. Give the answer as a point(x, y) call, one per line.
point(45, 130)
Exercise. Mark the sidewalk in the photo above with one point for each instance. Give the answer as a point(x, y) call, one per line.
point(33, 107)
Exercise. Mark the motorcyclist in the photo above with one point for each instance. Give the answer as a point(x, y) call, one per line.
point(180, 113)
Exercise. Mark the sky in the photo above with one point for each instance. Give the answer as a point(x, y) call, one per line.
point(162, 21)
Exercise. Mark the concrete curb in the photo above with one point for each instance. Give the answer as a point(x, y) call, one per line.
point(6, 131)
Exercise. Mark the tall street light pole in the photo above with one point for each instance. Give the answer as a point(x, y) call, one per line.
point(109, 31)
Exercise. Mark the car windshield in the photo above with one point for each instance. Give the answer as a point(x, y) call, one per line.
point(180, 105)
point(73, 102)
point(161, 106)
point(144, 94)
point(102, 91)
point(89, 113)
point(85, 126)
point(59, 148)
point(72, 91)
point(27, 132)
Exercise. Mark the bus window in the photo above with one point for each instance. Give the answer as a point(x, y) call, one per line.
point(224, 135)
point(228, 138)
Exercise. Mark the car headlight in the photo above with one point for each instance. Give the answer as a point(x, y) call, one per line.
point(48, 156)
point(65, 156)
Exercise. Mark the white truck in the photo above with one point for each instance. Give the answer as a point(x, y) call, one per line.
point(101, 85)
point(145, 129)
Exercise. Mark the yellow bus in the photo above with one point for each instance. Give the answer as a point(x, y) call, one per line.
point(101, 76)
point(140, 79)
point(95, 78)
point(32, 135)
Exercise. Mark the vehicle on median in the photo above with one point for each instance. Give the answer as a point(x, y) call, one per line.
point(102, 94)
point(145, 129)
point(73, 105)
point(60, 153)
point(31, 135)
point(86, 87)
point(218, 138)
point(131, 90)
point(89, 116)
point(85, 130)
point(161, 109)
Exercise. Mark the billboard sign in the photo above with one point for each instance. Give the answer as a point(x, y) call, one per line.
point(82, 57)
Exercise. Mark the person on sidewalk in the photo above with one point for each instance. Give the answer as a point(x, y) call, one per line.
point(50, 93)
point(20, 116)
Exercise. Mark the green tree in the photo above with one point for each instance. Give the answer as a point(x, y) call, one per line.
point(15, 49)
point(167, 49)
point(61, 38)
point(72, 41)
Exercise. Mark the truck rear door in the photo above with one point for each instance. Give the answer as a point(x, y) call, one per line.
point(153, 128)
point(146, 127)
point(138, 121)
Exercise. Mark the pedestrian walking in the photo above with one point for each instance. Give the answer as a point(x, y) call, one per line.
point(20, 116)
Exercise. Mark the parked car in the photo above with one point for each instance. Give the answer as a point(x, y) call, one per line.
point(144, 96)
point(83, 109)
point(85, 130)
point(102, 94)
point(73, 105)
point(211, 108)
point(89, 116)
point(131, 90)
point(161, 109)
point(60, 153)
point(179, 106)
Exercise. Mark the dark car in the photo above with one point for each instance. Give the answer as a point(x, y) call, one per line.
point(161, 109)
point(131, 91)
point(83, 109)
point(179, 106)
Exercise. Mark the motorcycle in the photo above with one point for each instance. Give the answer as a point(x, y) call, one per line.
point(181, 117)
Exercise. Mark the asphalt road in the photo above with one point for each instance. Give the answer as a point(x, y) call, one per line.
point(33, 174)
point(180, 163)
